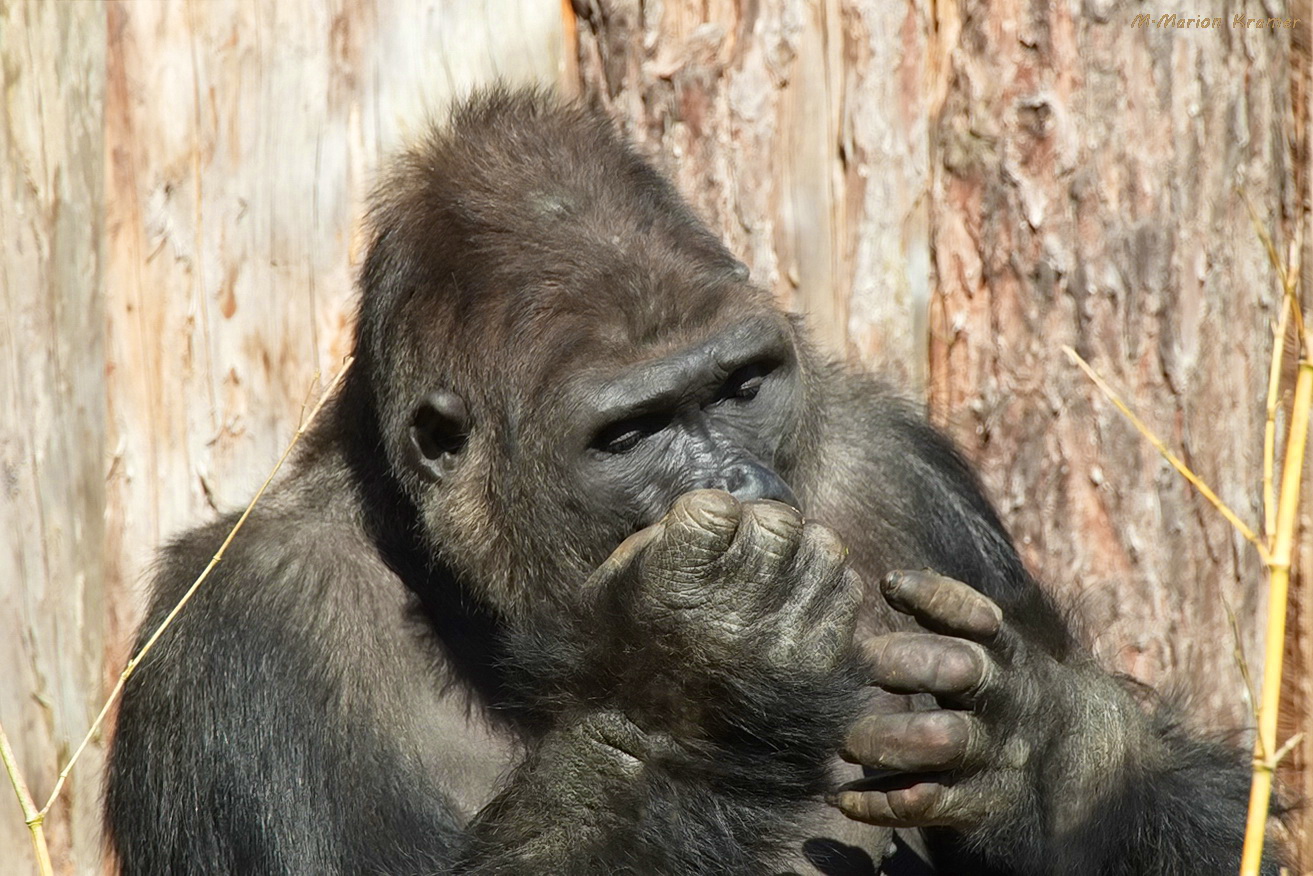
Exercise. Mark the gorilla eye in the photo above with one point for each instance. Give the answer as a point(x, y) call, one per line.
point(624, 435)
point(624, 443)
point(745, 383)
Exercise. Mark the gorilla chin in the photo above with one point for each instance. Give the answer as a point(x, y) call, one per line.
point(537, 595)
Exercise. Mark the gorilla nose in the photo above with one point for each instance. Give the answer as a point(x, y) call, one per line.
point(748, 481)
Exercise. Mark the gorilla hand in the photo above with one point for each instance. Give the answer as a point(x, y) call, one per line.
point(714, 665)
point(722, 584)
point(1020, 737)
point(718, 602)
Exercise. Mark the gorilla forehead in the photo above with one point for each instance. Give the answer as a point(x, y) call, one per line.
point(527, 225)
point(552, 339)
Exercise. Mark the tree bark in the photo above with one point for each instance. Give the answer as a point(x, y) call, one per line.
point(52, 434)
point(181, 192)
point(952, 191)
point(1090, 192)
point(799, 129)
point(1019, 177)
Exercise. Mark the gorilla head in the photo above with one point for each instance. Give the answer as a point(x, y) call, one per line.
point(559, 354)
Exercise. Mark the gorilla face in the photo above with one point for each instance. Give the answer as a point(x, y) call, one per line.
point(713, 414)
point(608, 433)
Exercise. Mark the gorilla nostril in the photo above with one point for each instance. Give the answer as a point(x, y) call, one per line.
point(748, 482)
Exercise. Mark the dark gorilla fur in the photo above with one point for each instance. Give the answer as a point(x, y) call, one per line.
point(418, 658)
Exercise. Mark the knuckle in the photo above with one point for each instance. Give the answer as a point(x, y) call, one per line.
point(918, 802)
point(975, 750)
point(823, 543)
point(945, 734)
point(960, 666)
point(985, 618)
point(947, 597)
point(696, 532)
point(986, 676)
point(775, 515)
point(822, 556)
point(770, 529)
point(966, 608)
point(898, 661)
point(875, 650)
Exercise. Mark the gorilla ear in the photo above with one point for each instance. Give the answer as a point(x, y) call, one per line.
point(439, 427)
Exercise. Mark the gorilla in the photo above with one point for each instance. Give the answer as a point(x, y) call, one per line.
point(596, 566)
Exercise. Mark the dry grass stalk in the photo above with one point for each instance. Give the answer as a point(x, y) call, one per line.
point(1276, 549)
point(1184, 470)
point(35, 818)
point(1270, 423)
point(1279, 518)
point(1281, 535)
point(1278, 564)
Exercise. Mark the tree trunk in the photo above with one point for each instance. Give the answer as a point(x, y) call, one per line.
point(181, 192)
point(52, 430)
point(799, 129)
point(1020, 177)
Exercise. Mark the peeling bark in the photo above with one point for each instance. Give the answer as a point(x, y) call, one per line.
point(997, 180)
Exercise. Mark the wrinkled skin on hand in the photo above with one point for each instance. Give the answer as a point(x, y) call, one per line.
point(718, 591)
point(1010, 715)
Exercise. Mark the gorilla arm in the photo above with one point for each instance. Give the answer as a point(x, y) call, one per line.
point(1037, 761)
point(694, 710)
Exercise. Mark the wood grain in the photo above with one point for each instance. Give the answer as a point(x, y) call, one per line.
point(182, 187)
point(799, 130)
point(52, 430)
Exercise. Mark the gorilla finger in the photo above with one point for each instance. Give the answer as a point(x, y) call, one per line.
point(768, 538)
point(823, 589)
point(920, 804)
point(821, 553)
point(700, 526)
point(914, 741)
point(943, 605)
point(827, 624)
point(907, 663)
point(624, 556)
